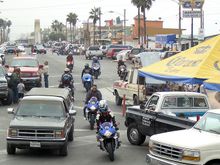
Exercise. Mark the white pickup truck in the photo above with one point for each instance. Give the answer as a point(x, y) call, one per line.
point(94, 51)
point(199, 145)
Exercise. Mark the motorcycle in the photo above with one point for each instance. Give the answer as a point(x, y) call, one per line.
point(69, 64)
point(91, 111)
point(87, 81)
point(67, 86)
point(122, 72)
point(108, 138)
point(96, 70)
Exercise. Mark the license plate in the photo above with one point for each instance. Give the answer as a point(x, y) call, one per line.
point(35, 144)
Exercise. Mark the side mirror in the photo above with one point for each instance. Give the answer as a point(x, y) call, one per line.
point(72, 112)
point(10, 110)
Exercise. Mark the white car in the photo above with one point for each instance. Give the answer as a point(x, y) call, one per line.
point(123, 55)
point(21, 48)
point(94, 51)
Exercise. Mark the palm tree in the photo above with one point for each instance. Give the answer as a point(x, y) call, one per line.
point(142, 4)
point(55, 25)
point(9, 23)
point(145, 4)
point(137, 4)
point(72, 19)
point(1, 28)
point(94, 15)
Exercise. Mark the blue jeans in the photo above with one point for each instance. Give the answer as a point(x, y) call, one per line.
point(46, 80)
point(15, 94)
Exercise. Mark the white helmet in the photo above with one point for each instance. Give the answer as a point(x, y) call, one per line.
point(103, 106)
point(66, 70)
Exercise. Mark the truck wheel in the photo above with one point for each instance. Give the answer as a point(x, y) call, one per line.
point(134, 136)
point(11, 149)
point(118, 99)
point(9, 99)
point(70, 136)
point(64, 150)
point(135, 100)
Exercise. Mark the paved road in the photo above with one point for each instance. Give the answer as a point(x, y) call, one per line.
point(84, 149)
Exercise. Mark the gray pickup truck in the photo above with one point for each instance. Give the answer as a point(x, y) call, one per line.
point(43, 120)
point(164, 112)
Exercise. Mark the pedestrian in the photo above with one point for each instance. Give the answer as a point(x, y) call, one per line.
point(46, 74)
point(13, 83)
point(21, 89)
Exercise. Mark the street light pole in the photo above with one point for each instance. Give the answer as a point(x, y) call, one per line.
point(180, 31)
point(192, 6)
point(124, 29)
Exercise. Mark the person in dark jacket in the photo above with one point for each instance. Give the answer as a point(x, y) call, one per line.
point(13, 83)
point(93, 92)
point(86, 70)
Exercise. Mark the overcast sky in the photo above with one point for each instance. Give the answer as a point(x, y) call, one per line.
point(22, 13)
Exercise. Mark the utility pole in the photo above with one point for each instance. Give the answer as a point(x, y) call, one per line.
point(124, 30)
point(100, 30)
point(180, 31)
point(192, 6)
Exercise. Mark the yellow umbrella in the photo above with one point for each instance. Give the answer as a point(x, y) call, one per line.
point(193, 65)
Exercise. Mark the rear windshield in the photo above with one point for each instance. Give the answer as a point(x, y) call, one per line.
point(94, 48)
point(40, 108)
point(24, 63)
point(184, 102)
point(135, 51)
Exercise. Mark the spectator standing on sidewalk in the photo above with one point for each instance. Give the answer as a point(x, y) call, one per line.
point(46, 74)
point(21, 89)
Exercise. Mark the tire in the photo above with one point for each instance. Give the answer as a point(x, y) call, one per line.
point(134, 136)
point(70, 135)
point(9, 98)
point(135, 100)
point(118, 99)
point(64, 150)
point(110, 150)
point(11, 150)
point(92, 121)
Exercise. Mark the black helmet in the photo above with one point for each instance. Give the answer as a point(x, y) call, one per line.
point(86, 65)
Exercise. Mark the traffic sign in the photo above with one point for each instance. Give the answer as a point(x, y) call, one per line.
point(190, 14)
point(197, 4)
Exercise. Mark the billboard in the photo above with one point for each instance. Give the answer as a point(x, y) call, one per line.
point(190, 14)
point(197, 4)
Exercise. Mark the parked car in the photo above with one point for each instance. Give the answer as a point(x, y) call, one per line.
point(123, 55)
point(112, 52)
point(10, 50)
point(104, 49)
point(94, 51)
point(42, 120)
point(134, 52)
point(20, 48)
point(198, 145)
point(39, 49)
point(5, 91)
point(30, 70)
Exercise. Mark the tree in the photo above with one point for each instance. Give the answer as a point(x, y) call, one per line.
point(145, 4)
point(94, 15)
point(142, 4)
point(55, 25)
point(72, 19)
point(9, 23)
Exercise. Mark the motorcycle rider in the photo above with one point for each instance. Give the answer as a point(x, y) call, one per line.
point(69, 58)
point(93, 92)
point(87, 70)
point(67, 80)
point(105, 115)
point(120, 64)
point(95, 62)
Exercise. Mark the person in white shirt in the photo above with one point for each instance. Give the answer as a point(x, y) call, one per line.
point(46, 74)
point(21, 89)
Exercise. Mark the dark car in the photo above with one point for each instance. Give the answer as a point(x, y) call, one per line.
point(134, 52)
point(10, 50)
point(39, 49)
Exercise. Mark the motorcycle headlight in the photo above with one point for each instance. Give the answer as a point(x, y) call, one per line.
point(12, 132)
point(107, 134)
point(191, 155)
point(93, 108)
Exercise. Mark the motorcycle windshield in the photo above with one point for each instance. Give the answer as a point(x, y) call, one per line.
point(87, 77)
point(107, 126)
point(96, 66)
